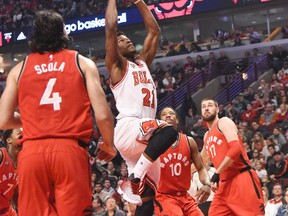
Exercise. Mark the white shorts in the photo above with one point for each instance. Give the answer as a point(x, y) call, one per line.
point(131, 138)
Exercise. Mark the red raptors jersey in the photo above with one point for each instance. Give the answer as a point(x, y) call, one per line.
point(53, 99)
point(8, 179)
point(216, 145)
point(175, 167)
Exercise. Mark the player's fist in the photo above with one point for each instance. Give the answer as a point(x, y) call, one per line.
point(105, 152)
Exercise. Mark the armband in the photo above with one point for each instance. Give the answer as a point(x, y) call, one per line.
point(234, 149)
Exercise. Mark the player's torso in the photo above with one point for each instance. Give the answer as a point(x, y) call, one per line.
point(53, 99)
point(216, 146)
point(175, 166)
point(8, 179)
point(135, 94)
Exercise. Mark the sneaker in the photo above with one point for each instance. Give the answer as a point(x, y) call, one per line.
point(129, 190)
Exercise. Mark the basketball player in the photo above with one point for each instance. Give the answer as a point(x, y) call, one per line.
point(172, 197)
point(238, 189)
point(8, 171)
point(135, 95)
point(54, 88)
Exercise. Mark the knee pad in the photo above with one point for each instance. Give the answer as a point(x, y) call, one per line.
point(161, 141)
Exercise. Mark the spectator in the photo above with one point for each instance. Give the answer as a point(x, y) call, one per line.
point(278, 169)
point(274, 204)
point(261, 129)
point(171, 51)
point(189, 67)
point(260, 170)
point(182, 49)
point(278, 137)
point(222, 112)
point(168, 82)
point(98, 209)
point(283, 210)
point(256, 157)
point(199, 129)
point(233, 112)
point(254, 36)
point(98, 192)
point(111, 169)
point(108, 188)
point(199, 64)
point(267, 118)
point(249, 115)
point(112, 209)
point(190, 120)
point(247, 132)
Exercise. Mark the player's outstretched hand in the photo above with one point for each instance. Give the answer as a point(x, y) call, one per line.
point(203, 193)
point(105, 152)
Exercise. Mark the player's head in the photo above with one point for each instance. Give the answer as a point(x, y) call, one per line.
point(48, 32)
point(11, 138)
point(209, 109)
point(125, 46)
point(169, 115)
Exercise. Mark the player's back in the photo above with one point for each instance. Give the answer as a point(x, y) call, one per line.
point(175, 166)
point(8, 179)
point(135, 94)
point(52, 97)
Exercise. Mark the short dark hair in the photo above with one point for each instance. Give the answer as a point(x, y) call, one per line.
point(48, 33)
point(6, 134)
point(120, 33)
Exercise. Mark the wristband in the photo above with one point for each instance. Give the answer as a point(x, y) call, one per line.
point(136, 2)
point(207, 184)
point(215, 178)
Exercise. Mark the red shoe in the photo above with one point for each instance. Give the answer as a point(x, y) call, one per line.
point(129, 189)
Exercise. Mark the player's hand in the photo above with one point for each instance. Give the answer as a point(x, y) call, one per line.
point(214, 186)
point(203, 193)
point(105, 152)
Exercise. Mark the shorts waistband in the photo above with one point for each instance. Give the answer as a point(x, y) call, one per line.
point(178, 193)
point(246, 169)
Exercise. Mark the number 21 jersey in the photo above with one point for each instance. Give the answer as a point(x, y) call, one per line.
point(135, 94)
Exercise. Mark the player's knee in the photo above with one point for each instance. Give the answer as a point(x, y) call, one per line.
point(161, 141)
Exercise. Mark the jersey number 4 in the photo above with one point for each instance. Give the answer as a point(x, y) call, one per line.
point(149, 98)
point(51, 98)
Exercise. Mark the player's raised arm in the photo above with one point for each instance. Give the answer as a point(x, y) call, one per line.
point(115, 63)
point(151, 41)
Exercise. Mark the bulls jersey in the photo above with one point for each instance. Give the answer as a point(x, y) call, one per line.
point(135, 94)
point(216, 145)
point(53, 100)
point(175, 166)
point(8, 179)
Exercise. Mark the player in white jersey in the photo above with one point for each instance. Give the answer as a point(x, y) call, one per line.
point(139, 138)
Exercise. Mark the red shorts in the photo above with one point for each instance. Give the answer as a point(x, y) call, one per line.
point(173, 205)
point(240, 195)
point(54, 178)
point(8, 212)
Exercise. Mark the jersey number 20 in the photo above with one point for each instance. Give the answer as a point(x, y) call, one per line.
point(51, 98)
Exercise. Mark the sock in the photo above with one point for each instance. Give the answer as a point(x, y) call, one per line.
point(141, 167)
